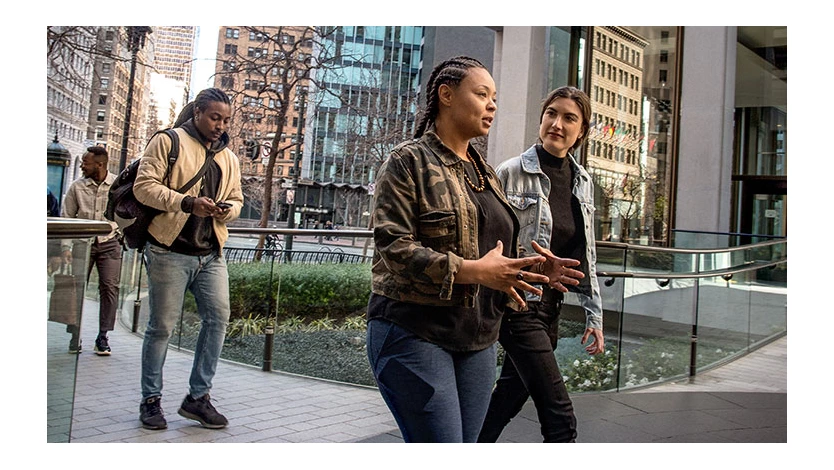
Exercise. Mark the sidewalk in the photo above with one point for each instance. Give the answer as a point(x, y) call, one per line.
point(745, 401)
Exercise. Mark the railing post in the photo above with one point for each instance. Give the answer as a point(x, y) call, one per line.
point(268, 339)
point(693, 340)
point(137, 304)
point(269, 330)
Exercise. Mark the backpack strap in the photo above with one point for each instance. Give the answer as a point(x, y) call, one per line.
point(174, 153)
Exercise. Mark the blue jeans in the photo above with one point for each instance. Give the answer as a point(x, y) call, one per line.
point(169, 275)
point(435, 395)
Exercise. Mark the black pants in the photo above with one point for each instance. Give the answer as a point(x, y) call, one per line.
point(530, 370)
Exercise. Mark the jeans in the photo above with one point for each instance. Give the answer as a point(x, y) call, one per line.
point(435, 395)
point(169, 275)
point(530, 371)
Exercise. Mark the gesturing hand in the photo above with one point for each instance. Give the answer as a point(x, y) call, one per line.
point(558, 269)
point(496, 271)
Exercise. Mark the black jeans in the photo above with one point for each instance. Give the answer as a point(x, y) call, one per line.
point(530, 370)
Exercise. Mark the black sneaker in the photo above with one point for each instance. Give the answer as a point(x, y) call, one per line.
point(75, 346)
point(202, 410)
point(150, 413)
point(102, 348)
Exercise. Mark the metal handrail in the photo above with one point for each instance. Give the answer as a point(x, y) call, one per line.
point(689, 251)
point(747, 266)
point(62, 227)
point(301, 231)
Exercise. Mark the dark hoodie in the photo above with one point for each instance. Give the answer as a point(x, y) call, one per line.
point(197, 237)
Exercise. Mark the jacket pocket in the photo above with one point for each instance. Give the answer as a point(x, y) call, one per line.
point(521, 201)
point(438, 230)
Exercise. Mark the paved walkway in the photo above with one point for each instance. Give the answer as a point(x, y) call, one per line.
point(744, 401)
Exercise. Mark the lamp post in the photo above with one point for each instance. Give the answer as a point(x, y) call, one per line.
point(136, 40)
point(57, 161)
point(296, 170)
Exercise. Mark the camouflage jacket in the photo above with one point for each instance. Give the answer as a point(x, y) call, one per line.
point(425, 224)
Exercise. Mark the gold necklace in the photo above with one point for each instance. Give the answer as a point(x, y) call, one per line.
point(481, 184)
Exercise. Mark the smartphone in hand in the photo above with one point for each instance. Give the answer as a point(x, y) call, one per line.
point(223, 205)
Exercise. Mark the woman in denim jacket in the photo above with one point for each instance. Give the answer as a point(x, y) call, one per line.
point(441, 272)
point(552, 197)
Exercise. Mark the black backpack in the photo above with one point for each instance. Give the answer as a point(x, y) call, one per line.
point(122, 203)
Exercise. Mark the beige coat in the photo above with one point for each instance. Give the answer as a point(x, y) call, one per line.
point(150, 190)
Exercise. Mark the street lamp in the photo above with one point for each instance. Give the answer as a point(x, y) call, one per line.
point(136, 41)
point(296, 170)
point(57, 160)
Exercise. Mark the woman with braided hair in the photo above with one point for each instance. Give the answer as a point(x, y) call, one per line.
point(444, 264)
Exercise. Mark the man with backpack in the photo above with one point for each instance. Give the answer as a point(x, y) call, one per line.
point(184, 250)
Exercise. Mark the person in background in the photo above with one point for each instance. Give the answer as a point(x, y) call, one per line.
point(185, 251)
point(53, 208)
point(552, 196)
point(86, 198)
point(444, 263)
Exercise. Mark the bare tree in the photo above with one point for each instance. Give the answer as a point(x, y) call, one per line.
point(63, 43)
point(267, 82)
point(377, 119)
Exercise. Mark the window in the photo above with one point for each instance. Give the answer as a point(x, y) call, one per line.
point(664, 57)
point(105, 68)
point(105, 82)
point(232, 33)
point(100, 116)
point(230, 49)
point(663, 76)
point(102, 99)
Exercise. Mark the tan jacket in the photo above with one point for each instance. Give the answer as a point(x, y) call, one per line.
point(150, 190)
point(87, 199)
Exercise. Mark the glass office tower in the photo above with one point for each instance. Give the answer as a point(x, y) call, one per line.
point(366, 106)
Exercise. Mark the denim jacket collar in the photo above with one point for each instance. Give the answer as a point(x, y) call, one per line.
point(530, 162)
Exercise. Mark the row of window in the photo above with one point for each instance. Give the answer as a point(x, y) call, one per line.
point(611, 72)
point(404, 34)
point(613, 152)
point(64, 131)
point(63, 102)
point(615, 100)
point(280, 38)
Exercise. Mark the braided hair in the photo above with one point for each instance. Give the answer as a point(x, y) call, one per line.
point(209, 95)
point(450, 72)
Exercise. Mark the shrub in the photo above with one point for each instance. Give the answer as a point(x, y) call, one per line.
point(663, 358)
point(307, 290)
point(582, 372)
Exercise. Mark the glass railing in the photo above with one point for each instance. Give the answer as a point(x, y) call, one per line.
point(67, 256)
point(668, 312)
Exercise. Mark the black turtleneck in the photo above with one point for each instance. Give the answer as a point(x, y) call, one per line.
point(567, 236)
